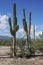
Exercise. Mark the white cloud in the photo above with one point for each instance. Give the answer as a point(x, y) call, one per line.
point(21, 30)
point(4, 28)
point(4, 25)
point(38, 33)
point(20, 33)
point(38, 30)
point(3, 18)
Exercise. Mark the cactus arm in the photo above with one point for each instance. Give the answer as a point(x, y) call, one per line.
point(24, 21)
point(16, 28)
point(30, 21)
point(10, 24)
point(29, 27)
point(24, 13)
point(11, 31)
point(25, 25)
point(9, 19)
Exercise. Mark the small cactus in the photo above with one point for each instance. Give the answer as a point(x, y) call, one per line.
point(15, 27)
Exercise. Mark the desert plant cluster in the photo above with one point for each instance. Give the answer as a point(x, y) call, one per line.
point(26, 46)
point(16, 27)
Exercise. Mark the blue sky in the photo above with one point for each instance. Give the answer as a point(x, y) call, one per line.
point(6, 9)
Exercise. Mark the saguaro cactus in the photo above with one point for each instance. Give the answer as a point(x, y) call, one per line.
point(15, 27)
point(34, 32)
point(27, 28)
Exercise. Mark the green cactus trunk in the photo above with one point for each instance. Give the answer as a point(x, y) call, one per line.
point(14, 44)
point(27, 40)
point(14, 29)
point(27, 28)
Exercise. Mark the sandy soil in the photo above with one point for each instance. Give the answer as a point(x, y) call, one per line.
point(4, 50)
point(19, 61)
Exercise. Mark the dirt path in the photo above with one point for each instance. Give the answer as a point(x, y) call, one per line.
point(4, 50)
point(21, 61)
point(18, 61)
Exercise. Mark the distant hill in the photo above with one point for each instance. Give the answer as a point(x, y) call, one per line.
point(4, 37)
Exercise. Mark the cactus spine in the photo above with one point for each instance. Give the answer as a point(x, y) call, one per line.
point(15, 28)
point(27, 28)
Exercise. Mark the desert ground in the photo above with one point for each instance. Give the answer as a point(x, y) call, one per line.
point(17, 60)
point(21, 61)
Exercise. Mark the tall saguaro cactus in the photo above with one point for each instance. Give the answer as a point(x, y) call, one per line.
point(15, 27)
point(27, 28)
point(34, 32)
